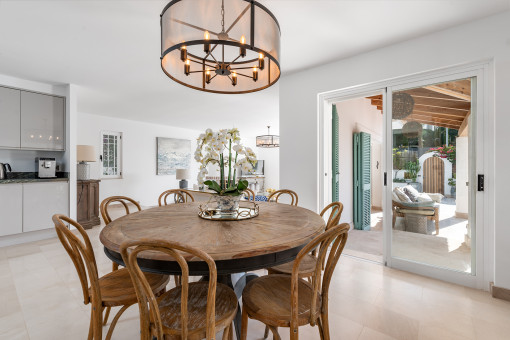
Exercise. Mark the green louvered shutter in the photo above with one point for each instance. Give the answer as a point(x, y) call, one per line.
point(334, 157)
point(362, 180)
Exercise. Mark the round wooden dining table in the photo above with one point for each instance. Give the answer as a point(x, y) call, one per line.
point(273, 237)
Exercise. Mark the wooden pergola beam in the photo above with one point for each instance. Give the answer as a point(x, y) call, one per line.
point(435, 123)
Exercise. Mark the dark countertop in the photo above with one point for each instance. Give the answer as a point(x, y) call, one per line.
point(31, 177)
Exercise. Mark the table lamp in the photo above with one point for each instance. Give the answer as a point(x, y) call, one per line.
point(183, 175)
point(84, 154)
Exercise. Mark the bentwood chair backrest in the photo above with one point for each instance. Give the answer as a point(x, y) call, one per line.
point(82, 255)
point(150, 317)
point(119, 199)
point(180, 196)
point(276, 195)
point(334, 215)
point(336, 237)
point(250, 194)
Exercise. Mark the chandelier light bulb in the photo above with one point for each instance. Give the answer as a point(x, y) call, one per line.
point(234, 78)
point(207, 45)
point(184, 53)
point(255, 73)
point(242, 49)
point(187, 67)
point(261, 61)
point(208, 76)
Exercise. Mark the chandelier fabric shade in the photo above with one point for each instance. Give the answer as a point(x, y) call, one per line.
point(220, 46)
point(268, 141)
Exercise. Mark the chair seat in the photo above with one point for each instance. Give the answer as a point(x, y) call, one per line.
point(170, 309)
point(268, 300)
point(117, 288)
point(306, 267)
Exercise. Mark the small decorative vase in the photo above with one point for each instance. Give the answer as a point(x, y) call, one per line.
point(227, 205)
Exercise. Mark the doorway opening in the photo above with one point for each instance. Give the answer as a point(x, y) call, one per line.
point(359, 137)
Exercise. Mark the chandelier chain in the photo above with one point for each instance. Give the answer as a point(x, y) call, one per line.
point(222, 16)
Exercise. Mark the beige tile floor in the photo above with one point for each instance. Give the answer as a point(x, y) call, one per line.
point(40, 298)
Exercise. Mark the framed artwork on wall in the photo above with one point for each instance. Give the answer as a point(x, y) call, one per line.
point(172, 154)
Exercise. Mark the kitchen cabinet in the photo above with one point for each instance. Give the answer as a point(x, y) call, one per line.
point(88, 203)
point(10, 115)
point(11, 205)
point(42, 121)
point(41, 201)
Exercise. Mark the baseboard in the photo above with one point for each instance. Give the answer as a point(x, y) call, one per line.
point(26, 237)
point(499, 292)
point(464, 216)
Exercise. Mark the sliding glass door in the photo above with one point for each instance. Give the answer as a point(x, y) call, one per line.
point(432, 168)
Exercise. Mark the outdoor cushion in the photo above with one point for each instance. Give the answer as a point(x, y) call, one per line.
point(423, 197)
point(402, 196)
point(417, 212)
point(411, 193)
point(427, 204)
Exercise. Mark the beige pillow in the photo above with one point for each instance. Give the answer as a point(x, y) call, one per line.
point(402, 196)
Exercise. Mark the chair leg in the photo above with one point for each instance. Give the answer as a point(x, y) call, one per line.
point(96, 322)
point(276, 336)
point(228, 333)
point(244, 324)
point(266, 332)
point(91, 325)
point(115, 266)
point(177, 280)
point(114, 321)
point(321, 330)
point(325, 325)
point(106, 315)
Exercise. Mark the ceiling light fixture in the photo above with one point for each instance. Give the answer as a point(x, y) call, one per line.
point(403, 105)
point(268, 141)
point(208, 44)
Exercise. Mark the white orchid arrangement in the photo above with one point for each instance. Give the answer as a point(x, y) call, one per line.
point(224, 148)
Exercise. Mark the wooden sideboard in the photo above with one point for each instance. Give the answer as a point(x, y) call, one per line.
point(88, 203)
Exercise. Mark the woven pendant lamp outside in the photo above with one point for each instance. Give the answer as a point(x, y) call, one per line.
point(403, 105)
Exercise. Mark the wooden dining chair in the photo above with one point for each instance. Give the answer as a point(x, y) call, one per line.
point(276, 196)
point(289, 301)
point(250, 193)
point(111, 290)
point(125, 201)
point(309, 262)
point(195, 310)
point(180, 196)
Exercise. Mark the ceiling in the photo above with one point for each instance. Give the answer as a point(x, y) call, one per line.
point(110, 49)
point(447, 104)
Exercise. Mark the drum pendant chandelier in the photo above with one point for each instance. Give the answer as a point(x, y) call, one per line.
point(220, 46)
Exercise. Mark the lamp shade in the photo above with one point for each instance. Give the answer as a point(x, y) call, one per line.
point(85, 153)
point(181, 173)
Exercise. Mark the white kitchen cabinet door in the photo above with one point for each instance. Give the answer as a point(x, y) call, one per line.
point(42, 121)
point(41, 201)
point(10, 116)
point(11, 209)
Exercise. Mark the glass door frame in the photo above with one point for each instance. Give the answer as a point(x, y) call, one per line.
point(476, 210)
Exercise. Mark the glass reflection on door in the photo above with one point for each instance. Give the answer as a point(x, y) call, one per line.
point(431, 196)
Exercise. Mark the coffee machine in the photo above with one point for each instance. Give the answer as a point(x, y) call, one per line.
point(46, 167)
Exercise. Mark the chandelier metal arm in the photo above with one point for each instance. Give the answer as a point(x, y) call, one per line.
point(210, 51)
point(200, 62)
point(213, 58)
point(244, 75)
point(241, 68)
point(193, 26)
point(238, 18)
point(233, 61)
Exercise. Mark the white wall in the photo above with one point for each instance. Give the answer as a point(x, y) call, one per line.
point(355, 115)
point(139, 180)
point(479, 40)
